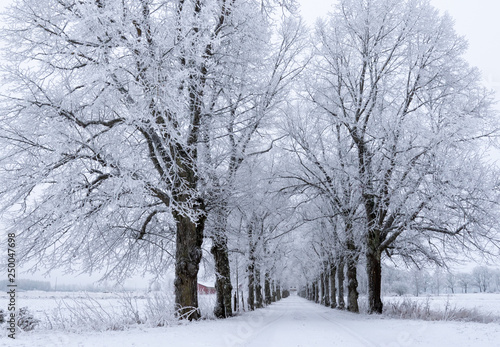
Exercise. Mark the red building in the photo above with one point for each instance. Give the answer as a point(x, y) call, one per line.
point(205, 290)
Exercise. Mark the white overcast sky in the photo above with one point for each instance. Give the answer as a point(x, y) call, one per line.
point(478, 21)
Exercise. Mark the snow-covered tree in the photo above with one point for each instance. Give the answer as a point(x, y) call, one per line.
point(451, 281)
point(267, 220)
point(250, 95)
point(464, 280)
point(321, 168)
point(392, 74)
point(481, 277)
point(104, 131)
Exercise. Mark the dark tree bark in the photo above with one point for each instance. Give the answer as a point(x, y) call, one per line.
point(374, 272)
point(236, 302)
point(267, 288)
point(322, 287)
point(333, 273)
point(242, 301)
point(273, 285)
point(373, 242)
point(251, 269)
point(259, 302)
point(188, 256)
point(251, 287)
point(352, 280)
point(352, 286)
point(326, 285)
point(223, 285)
point(278, 290)
point(340, 280)
point(237, 291)
point(316, 291)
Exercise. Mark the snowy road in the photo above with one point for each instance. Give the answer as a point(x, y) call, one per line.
point(292, 322)
point(299, 323)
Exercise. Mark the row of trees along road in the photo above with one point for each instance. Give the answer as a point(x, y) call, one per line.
point(392, 119)
point(133, 130)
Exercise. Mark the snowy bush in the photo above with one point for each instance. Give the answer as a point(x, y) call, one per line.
point(88, 313)
point(159, 309)
point(411, 309)
point(130, 309)
point(408, 309)
point(25, 319)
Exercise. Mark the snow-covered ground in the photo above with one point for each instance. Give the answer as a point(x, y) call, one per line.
point(292, 322)
point(40, 302)
point(487, 303)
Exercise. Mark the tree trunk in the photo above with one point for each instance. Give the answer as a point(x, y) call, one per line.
point(251, 270)
point(326, 286)
point(313, 296)
point(236, 302)
point(274, 291)
point(316, 291)
point(223, 285)
point(322, 287)
point(278, 290)
point(243, 300)
point(340, 280)
point(187, 263)
point(352, 284)
point(374, 272)
point(258, 288)
point(267, 288)
point(333, 273)
point(251, 287)
point(352, 280)
point(237, 291)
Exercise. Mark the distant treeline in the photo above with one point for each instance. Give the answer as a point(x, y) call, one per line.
point(481, 279)
point(24, 284)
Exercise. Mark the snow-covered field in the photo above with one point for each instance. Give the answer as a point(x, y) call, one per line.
point(486, 303)
point(41, 302)
point(292, 322)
